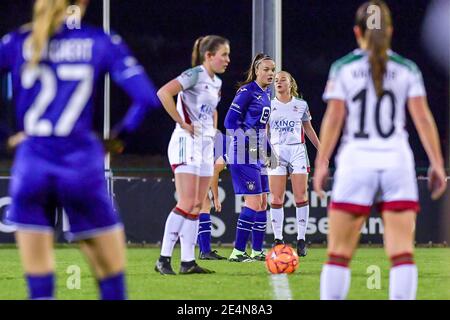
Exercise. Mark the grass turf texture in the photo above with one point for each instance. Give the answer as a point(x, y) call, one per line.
point(239, 281)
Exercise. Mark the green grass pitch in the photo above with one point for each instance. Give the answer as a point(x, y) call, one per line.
point(239, 281)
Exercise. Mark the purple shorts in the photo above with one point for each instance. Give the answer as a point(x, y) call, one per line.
point(75, 181)
point(248, 180)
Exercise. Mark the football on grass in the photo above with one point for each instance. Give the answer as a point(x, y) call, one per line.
point(282, 259)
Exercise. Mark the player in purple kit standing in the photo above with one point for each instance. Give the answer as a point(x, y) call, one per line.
point(59, 162)
point(246, 121)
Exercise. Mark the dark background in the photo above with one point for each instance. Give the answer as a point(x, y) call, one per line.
point(315, 33)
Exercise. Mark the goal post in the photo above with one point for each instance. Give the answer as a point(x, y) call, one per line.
point(267, 29)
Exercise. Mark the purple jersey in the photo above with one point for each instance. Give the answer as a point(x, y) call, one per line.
point(55, 99)
point(248, 115)
point(250, 110)
point(252, 104)
point(61, 163)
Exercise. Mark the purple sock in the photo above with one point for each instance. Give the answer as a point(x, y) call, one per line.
point(113, 287)
point(41, 287)
point(259, 230)
point(244, 228)
point(204, 233)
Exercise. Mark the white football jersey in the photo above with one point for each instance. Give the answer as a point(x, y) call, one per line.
point(286, 121)
point(374, 125)
point(199, 99)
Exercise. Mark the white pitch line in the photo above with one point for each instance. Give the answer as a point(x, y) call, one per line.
point(280, 285)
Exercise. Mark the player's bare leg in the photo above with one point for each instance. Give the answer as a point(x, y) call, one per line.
point(206, 205)
point(187, 186)
point(36, 251)
point(38, 261)
point(106, 256)
point(105, 253)
point(253, 202)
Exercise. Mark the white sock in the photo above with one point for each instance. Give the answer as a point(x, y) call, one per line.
point(277, 218)
point(172, 229)
point(188, 239)
point(302, 215)
point(334, 282)
point(403, 282)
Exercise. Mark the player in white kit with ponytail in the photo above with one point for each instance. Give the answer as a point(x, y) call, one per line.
point(191, 148)
point(368, 90)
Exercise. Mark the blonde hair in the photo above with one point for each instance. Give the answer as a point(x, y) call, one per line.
point(294, 87)
point(378, 40)
point(48, 16)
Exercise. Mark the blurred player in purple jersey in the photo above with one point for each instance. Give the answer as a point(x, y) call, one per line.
point(246, 121)
point(191, 147)
point(60, 161)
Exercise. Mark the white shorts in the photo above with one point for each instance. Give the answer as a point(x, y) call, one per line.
point(357, 189)
point(293, 159)
point(191, 155)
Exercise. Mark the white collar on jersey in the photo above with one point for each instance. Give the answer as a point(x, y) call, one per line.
point(292, 99)
point(214, 78)
point(365, 52)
